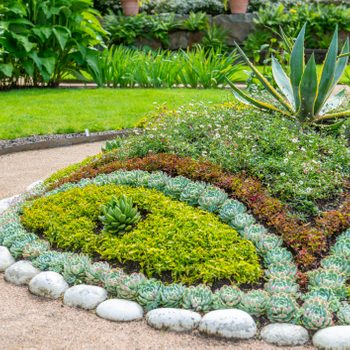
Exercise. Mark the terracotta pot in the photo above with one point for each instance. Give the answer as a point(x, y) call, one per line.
point(239, 6)
point(130, 7)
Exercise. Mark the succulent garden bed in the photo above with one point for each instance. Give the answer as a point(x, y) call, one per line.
point(174, 221)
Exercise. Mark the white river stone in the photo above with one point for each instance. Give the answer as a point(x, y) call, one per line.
point(332, 338)
point(231, 324)
point(84, 296)
point(48, 284)
point(285, 334)
point(119, 310)
point(6, 203)
point(172, 319)
point(6, 259)
point(21, 272)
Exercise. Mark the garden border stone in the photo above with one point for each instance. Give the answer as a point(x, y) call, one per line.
point(59, 140)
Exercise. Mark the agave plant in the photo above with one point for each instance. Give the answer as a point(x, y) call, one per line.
point(304, 95)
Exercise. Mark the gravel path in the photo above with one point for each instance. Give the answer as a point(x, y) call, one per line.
point(31, 323)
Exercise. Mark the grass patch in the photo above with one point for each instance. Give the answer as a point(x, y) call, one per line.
point(47, 111)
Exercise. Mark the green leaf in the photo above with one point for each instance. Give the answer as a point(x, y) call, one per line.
point(49, 64)
point(250, 101)
point(23, 41)
point(62, 35)
point(264, 81)
point(43, 33)
point(308, 90)
point(297, 65)
point(341, 62)
point(6, 69)
point(333, 102)
point(283, 81)
point(29, 67)
point(327, 75)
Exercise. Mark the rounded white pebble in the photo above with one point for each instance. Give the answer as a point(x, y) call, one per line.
point(231, 324)
point(120, 310)
point(48, 284)
point(285, 334)
point(177, 320)
point(6, 259)
point(332, 338)
point(20, 272)
point(84, 296)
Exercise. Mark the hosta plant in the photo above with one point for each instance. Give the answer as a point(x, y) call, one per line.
point(119, 215)
point(198, 298)
point(304, 94)
point(283, 308)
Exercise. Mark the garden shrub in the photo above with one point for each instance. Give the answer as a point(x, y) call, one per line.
point(41, 41)
point(173, 238)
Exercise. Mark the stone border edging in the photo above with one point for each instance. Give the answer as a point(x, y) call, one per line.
point(59, 140)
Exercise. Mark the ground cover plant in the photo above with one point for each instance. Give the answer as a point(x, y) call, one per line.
point(172, 237)
point(45, 111)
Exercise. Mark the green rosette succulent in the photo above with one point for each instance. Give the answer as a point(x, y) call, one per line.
point(316, 314)
point(284, 285)
point(149, 294)
point(326, 278)
point(241, 221)
point(327, 294)
point(255, 302)
point(212, 199)
point(19, 236)
point(96, 273)
point(175, 186)
point(198, 298)
point(129, 284)
point(119, 215)
point(281, 270)
point(227, 297)
point(33, 249)
point(253, 232)
point(192, 192)
point(158, 180)
point(9, 232)
point(343, 313)
point(342, 247)
point(283, 308)
point(230, 209)
point(268, 242)
point(18, 245)
point(113, 279)
point(171, 295)
point(336, 263)
point(74, 271)
point(278, 256)
point(51, 261)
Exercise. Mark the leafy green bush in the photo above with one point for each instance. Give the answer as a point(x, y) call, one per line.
point(40, 39)
point(301, 166)
point(290, 15)
point(174, 238)
point(124, 67)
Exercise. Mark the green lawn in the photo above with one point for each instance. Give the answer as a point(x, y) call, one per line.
point(48, 111)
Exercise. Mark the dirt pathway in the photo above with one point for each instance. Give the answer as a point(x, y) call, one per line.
point(31, 323)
